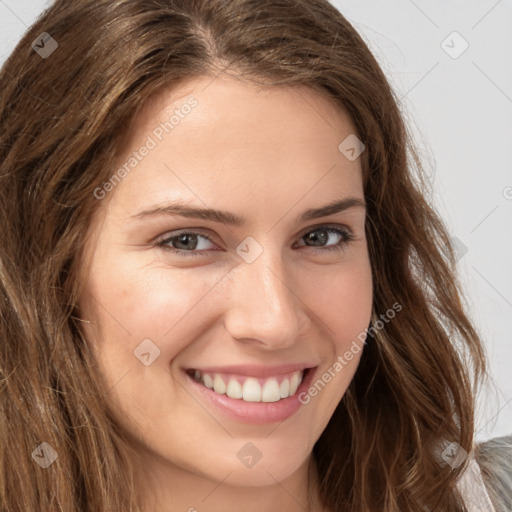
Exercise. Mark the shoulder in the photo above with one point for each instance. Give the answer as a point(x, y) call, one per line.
point(494, 461)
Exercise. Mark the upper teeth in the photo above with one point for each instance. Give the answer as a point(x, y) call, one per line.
point(252, 389)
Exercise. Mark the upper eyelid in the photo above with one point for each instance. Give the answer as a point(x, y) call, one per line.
point(183, 231)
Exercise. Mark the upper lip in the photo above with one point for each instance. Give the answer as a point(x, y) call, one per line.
point(255, 370)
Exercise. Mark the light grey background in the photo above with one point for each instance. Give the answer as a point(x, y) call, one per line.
point(459, 109)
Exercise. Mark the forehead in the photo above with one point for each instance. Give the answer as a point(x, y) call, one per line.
point(226, 104)
point(223, 138)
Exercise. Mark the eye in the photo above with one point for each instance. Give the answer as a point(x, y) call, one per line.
point(187, 243)
point(327, 238)
point(321, 238)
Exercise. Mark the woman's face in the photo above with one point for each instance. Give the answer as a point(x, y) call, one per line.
point(215, 262)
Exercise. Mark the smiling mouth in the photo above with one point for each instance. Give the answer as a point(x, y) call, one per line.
point(251, 389)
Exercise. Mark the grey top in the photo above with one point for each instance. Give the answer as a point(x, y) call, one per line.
point(487, 484)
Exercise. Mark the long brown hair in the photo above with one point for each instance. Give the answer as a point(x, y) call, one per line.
point(63, 120)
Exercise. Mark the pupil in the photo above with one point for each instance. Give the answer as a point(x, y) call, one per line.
point(313, 237)
point(182, 239)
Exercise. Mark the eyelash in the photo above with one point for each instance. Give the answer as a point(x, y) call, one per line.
point(347, 238)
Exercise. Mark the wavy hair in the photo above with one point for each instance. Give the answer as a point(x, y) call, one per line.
point(63, 122)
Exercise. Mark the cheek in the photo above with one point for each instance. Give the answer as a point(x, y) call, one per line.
point(128, 307)
point(341, 298)
point(342, 301)
point(136, 302)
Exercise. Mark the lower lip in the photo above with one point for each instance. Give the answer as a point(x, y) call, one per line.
point(256, 413)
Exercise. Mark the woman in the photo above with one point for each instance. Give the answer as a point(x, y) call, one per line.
point(221, 284)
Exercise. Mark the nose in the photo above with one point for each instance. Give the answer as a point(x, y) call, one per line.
point(264, 306)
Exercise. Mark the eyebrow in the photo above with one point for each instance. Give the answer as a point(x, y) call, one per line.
point(233, 219)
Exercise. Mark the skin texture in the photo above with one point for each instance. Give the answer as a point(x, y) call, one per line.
point(267, 153)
